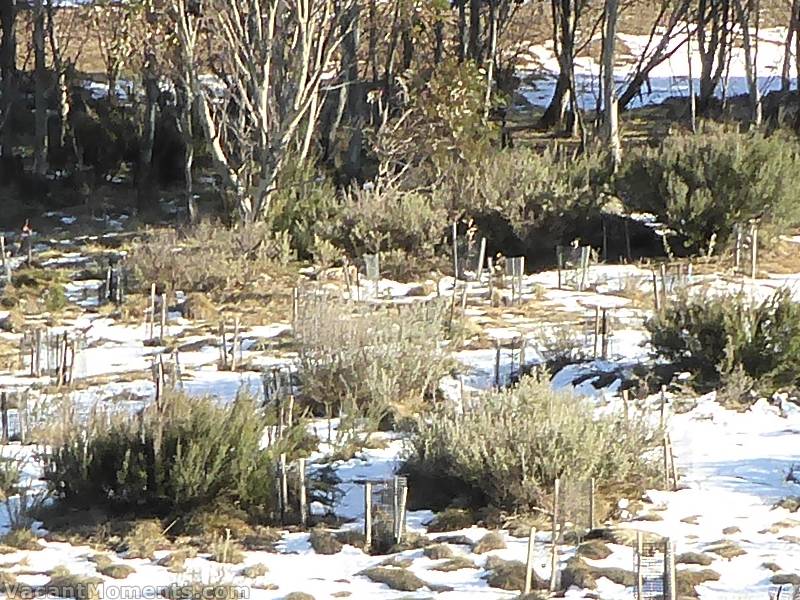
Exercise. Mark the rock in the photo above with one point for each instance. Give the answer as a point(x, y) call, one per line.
point(594, 550)
point(324, 542)
point(694, 558)
point(491, 541)
point(438, 551)
point(397, 579)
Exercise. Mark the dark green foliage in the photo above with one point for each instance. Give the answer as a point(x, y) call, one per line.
point(182, 455)
point(520, 440)
point(701, 185)
point(713, 337)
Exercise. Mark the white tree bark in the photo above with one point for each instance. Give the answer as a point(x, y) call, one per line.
point(610, 106)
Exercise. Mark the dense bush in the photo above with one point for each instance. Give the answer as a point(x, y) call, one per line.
point(206, 258)
point(370, 363)
point(715, 337)
point(702, 185)
point(515, 443)
point(181, 455)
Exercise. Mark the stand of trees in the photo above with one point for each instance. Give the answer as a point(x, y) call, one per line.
point(258, 87)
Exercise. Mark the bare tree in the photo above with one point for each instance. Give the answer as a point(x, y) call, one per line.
point(272, 59)
point(40, 91)
point(750, 47)
point(610, 122)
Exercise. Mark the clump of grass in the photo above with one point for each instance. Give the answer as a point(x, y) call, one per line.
point(491, 541)
point(451, 519)
point(593, 550)
point(397, 579)
point(455, 564)
point(438, 551)
point(324, 542)
point(254, 571)
point(509, 575)
point(175, 561)
point(117, 571)
point(694, 558)
point(64, 584)
point(225, 550)
point(144, 539)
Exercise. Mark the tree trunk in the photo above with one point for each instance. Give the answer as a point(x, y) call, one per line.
point(462, 30)
point(40, 92)
point(474, 48)
point(491, 55)
point(750, 58)
point(145, 179)
point(564, 19)
point(610, 122)
point(786, 79)
point(184, 102)
point(8, 72)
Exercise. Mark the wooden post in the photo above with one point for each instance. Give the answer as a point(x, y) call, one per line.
point(604, 332)
point(163, 316)
point(663, 270)
point(235, 343)
point(497, 364)
point(737, 249)
point(639, 574)
point(481, 259)
point(72, 348)
point(455, 253)
point(6, 269)
point(522, 343)
point(22, 411)
point(152, 311)
point(662, 420)
point(559, 263)
point(490, 268)
point(627, 240)
point(673, 470)
point(596, 331)
point(224, 345)
point(4, 414)
point(290, 411)
point(401, 517)
point(625, 399)
point(529, 561)
point(753, 249)
point(669, 561)
point(284, 486)
point(368, 515)
point(665, 447)
point(301, 468)
point(592, 484)
point(295, 307)
point(395, 507)
point(554, 541)
point(656, 301)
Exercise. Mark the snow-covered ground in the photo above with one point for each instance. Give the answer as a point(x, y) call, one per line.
point(733, 466)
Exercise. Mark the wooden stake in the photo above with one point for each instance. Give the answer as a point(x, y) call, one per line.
point(670, 561)
point(665, 447)
point(6, 270)
point(284, 486)
point(663, 270)
point(529, 561)
point(604, 333)
point(152, 310)
point(596, 330)
point(639, 574)
point(224, 346)
point(295, 307)
point(4, 414)
point(368, 515)
point(497, 364)
point(301, 468)
point(559, 263)
point(554, 541)
point(455, 253)
point(656, 301)
point(662, 419)
point(235, 344)
point(481, 259)
point(591, 502)
point(163, 316)
point(401, 517)
point(753, 249)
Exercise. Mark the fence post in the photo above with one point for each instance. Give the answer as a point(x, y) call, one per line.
point(401, 517)
point(656, 302)
point(554, 541)
point(4, 411)
point(152, 311)
point(481, 259)
point(529, 561)
point(236, 342)
point(284, 486)
point(596, 331)
point(662, 419)
point(455, 253)
point(368, 515)
point(669, 563)
point(663, 273)
point(753, 249)
point(301, 468)
point(559, 263)
point(497, 364)
point(163, 316)
point(6, 269)
point(604, 348)
point(639, 576)
point(592, 484)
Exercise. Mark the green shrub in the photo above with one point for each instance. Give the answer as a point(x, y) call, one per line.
point(372, 362)
point(702, 185)
point(726, 337)
point(180, 455)
point(519, 441)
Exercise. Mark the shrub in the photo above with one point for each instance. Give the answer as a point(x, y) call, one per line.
point(520, 440)
point(371, 362)
point(701, 185)
point(179, 455)
point(725, 337)
point(206, 258)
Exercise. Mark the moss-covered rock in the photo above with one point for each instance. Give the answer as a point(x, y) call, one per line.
point(438, 551)
point(491, 541)
point(397, 579)
point(324, 542)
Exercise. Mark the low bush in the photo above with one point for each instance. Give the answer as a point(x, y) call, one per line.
point(702, 185)
point(723, 338)
point(371, 363)
point(179, 455)
point(207, 258)
point(520, 440)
